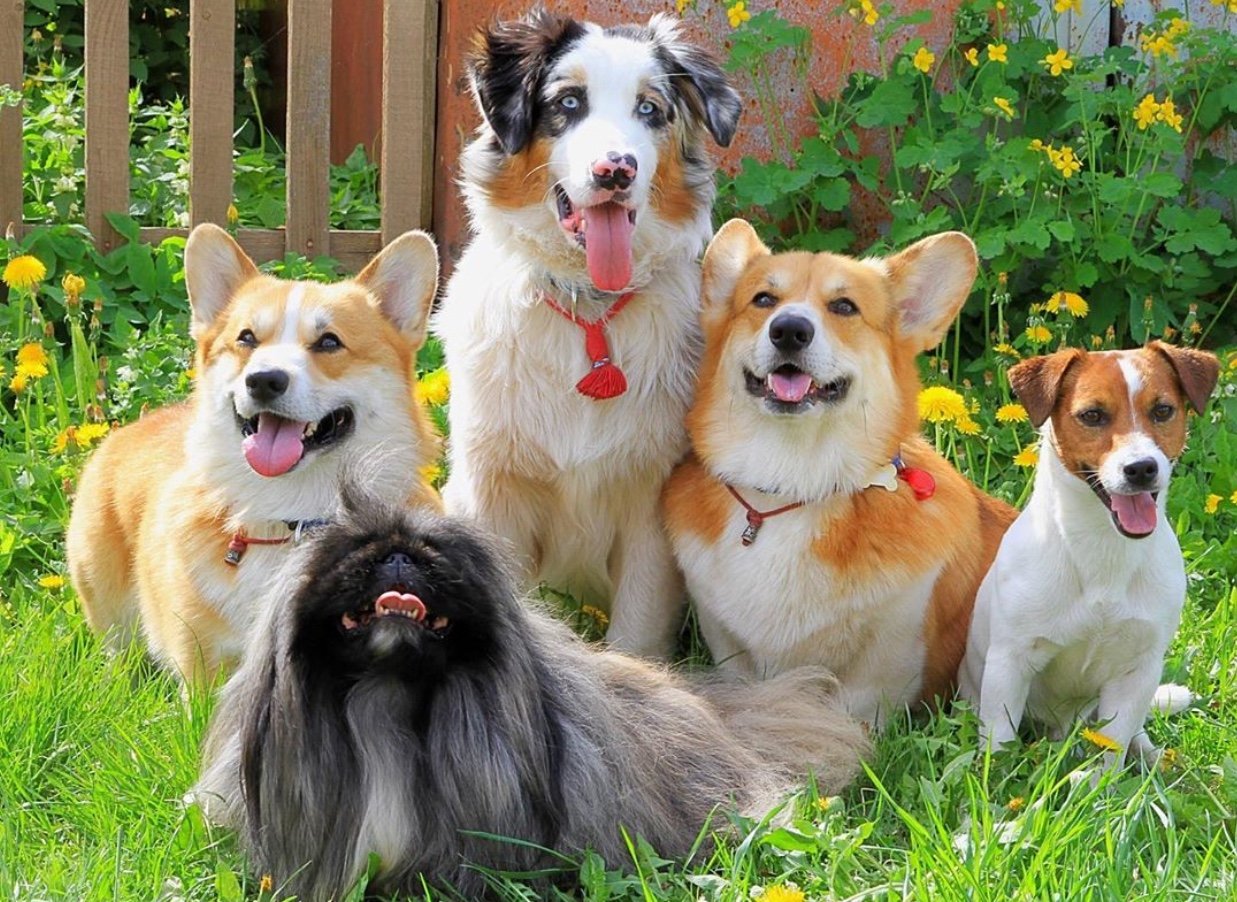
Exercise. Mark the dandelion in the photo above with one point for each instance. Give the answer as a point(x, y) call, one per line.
point(1100, 741)
point(89, 433)
point(1004, 106)
point(52, 581)
point(972, 56)
point(1233, 497)
point(1168, 759)
point(266, 884)
point(24, 272)
point(824, 804)
point(967, 426)
point(1096, 342)
point(997, 53)
point(1016, 803)
point(1060, 6)
point(783, 893)
point(1212, 504)
point(1011, 413)
point(1145, 112)
point(73, 286)
point(32, 355)
point(1007, 350)
point(938, 404)
point(1038, 334)
point(595, 614)
point(1058, 62)
point(434, 388)
point(923, 60)
point(738, 14)
point(233, 215)
point(18, 383)
point(67, 436)
point(1069, 302)
point(1027, 457)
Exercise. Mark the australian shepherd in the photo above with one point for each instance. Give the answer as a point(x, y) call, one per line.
point(571, 322)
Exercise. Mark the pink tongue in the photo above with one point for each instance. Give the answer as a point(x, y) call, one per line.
point(1135, 513)
point(607, 244)
point(401, 601)
point(276, 447)
point(790, 387)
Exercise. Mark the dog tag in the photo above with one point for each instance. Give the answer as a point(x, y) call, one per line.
point(886, 477)
point(754, 522)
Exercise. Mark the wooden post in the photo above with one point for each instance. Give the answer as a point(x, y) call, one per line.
point(107, 116)
point(409, 66)
point(11, 34)
point(309, 126)
point(212, 49)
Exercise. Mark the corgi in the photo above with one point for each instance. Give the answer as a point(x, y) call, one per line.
point(1073, 620)
point(812, 521)
point(179, 519)
point(571, 323)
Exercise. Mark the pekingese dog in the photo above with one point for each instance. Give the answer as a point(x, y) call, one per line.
point(399, 700)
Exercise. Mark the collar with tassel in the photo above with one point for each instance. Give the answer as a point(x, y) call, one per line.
point(604, 380)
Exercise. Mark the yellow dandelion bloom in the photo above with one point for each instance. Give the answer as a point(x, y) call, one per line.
point(73, 286)
point(967, 426)
point(972, 56)
point(1007, 350)
point(596, 614)
point(18, 383)
point(1058, 62)
point(1168, 759)
point(1096, 342)
point(737, 14)
point(434, 388)
point(1016, 803)
point(1038, 334)
point(233, 214)
point(1011, 413)
point(32, 354)
point(1144, 113)
point(1004, 106)
point(1027, 457)
point(89, 433)
point(923, 60)
point(997, 53)
point(1060, 6)
point(938, 404)
point(24, 272)
point(781, 893)
point(266, 884)
point(52, 581)
point(63, 439)
point(1212, 504)
point(1067, 302)
point(1100, 741)
point(824, 804)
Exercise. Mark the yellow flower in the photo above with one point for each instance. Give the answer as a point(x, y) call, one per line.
point(1069, 302)
point(1233, 497)
point(1168, 759)
point(32, 354)
point(1038, 334)
point(17, 384)
point(1144, 113)
point(433, 388)
point(596, 614)
point(737, 14)
point(52, 581)
point(1011, 413)
point(1027, 457)
point(1007, 350)
point(996, 53)
point(824, 803)
point(1167, 113)
point(66, 435)
point(1157, 44)
point(24, 272)
point(89, 433)
point(1065, 161)
point(938, 404)
point(233, 214)
point(1058, 62)
point(1099, 740)
point(967, 426)
point(1060, 6)
point(1213, 503)
point(864, 9)
point(1004, 106)
point(73, 286)
point(923, 60)
point(782, 893)
point(266, 884)
point(972, 56)
point(1016, 803)
point(1176, 28)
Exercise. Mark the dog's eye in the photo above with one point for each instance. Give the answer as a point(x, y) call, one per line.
point(569, 102)
point(843, 307)
point(764, 299)
point(646, 108)
point(247, 339)
point(1093, 416)
point(328, 341)
point(1162, 413)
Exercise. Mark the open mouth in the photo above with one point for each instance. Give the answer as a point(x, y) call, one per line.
point(273, 445)
point(605, 232)
point(1134, 515)
point(399, 604)
point(789, 389)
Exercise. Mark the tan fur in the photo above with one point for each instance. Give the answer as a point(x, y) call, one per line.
point(153, 514)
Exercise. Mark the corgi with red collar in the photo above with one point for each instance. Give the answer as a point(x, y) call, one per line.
point(813, 523)
point(1086, 591)
point(179, 518)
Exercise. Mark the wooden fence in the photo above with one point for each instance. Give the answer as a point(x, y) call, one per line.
point(410, 29)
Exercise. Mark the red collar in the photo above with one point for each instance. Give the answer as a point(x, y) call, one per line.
point(240, 541)
point(604, 380)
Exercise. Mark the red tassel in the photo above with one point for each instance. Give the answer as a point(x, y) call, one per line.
point(604, 380)
point(920, 481)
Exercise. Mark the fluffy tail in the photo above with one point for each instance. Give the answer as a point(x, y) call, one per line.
point(795, 722)
point(1171, 698)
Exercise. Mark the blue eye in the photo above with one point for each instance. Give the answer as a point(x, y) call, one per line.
point(646, 108)
point(569, 102)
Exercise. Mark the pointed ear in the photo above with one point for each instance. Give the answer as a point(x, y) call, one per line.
point(699, 84)
point(404, 279)
point(931, 281)
point(215, 268)
point(1037, 382)
point(735, 245)
point(1197, 371)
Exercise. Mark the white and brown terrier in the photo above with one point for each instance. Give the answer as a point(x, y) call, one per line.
point(1086, 592)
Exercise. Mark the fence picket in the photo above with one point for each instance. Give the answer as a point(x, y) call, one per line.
point(309, 126)
point(11, 35)
point(107, 116)
point(409, 67)
point(212, 49)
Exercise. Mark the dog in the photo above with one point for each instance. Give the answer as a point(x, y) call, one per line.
point(1086, 592)
point(399, 699)
point(570, 325)
point(179, 518)
point(813, 522)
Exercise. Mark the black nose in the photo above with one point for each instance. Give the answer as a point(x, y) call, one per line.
point(791, 332)
point(396, 567)
point(1141, 473)
point(267, 385)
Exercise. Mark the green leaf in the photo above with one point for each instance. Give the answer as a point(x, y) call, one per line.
point(227, 887)
point(1161, 184)
point(832, 195)
point(125, 224)
point(1113, 248)
point(141, 265)
point(891, 103)
point(990, 243)
point(1062, 230)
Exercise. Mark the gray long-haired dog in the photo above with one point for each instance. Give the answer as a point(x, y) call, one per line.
point(399, 700)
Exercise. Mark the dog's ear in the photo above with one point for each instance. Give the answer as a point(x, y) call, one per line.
point(506, 69)
point(698, 81)
point(735, 245)
point(931, 280)
point(215, 268)
point(404, 279)
point(1037, 382)
point(1197, 371)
